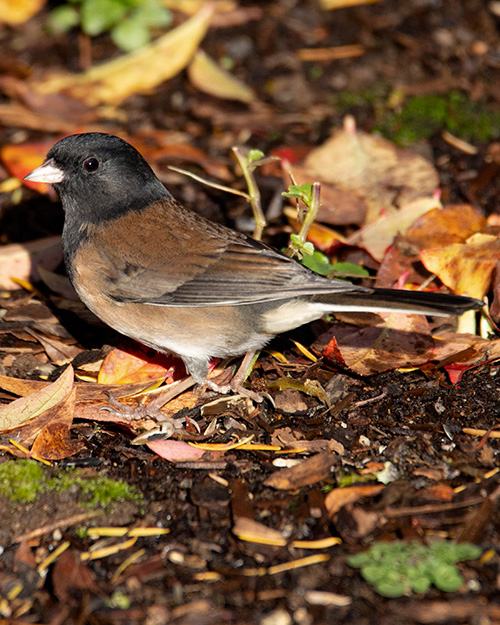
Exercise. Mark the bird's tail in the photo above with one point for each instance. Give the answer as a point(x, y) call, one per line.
point(396, 300)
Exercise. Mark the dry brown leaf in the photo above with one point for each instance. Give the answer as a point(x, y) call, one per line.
point(386, 176)
point(401, 340)
point(52, 437)
point(377, 236)
point(209, 77)
point(136, 72)
point(21, 260)
point(58, 352)
point(340, 497)
point(452, 224)
point(15, 12)
point(314, 469)
point(253, 531)
point(85, 392)
point(18, 412)
point(70, 574)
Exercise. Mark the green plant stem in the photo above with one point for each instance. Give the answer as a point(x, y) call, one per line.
point(253, 193)
point(311, 213)
point(310, 216)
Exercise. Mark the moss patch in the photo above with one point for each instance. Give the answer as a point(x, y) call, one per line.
point(422, 116)
point(24, 481)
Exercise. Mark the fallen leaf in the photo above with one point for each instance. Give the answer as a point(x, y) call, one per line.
point(401, 340)
point(209, 77)
point(19, 411)
point(21, 159)
point(255, 532)
point(458, 353)
point(15, 12)
point(22, 260)
point(340, 497)
point(134, 365)
point(339, 206)
point(58, 352)
point(137, 72)
point(69, 574)
point(466, 268)
point(385, 175)
point(330, 5)
point(314, 469)
point(176, 451)
point(53, 440)
point(58, 283)
point(377, 236)
point(454, 223)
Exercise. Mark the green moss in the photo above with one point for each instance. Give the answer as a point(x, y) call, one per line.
point(398, 568)
point(24, 480)
point(422, 116)
point(21, 480)
point(344, 101)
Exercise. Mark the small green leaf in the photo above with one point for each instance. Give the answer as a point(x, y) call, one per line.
point(447, 578)
point(100, 15)
point(130, 35)
point(317, 262)
point(308, 248)
point(391, 590)
point(349, 269)
point(255, 155)
point(301, 192)
point(396, 568)
point(421, 584)
point(63, 18)
point(152, 13)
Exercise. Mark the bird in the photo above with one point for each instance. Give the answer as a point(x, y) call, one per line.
point(171, 279)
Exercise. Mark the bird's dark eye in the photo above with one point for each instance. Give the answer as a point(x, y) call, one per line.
point(91, 165)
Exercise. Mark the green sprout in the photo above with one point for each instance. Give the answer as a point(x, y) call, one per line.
point(308, 194)
point(398, 568)
point(128, 21)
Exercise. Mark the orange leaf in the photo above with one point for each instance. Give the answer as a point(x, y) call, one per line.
point(466, 268)
point(134, 365)
point(340, 497)
point(21, 159)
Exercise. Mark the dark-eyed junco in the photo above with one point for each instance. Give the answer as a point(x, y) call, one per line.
point(165, 276)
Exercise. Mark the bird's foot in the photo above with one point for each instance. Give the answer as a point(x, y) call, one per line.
point(152, 410)
point(235, 385)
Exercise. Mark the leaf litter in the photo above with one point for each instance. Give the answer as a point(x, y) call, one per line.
point(382, 449)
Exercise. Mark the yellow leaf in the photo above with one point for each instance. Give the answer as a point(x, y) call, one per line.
point(206, 75)
point(328, 5)
point(18, 11)
point(466, 268)
point(139, 71)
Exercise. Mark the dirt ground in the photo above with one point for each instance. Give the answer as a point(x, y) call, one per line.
point(248, 542)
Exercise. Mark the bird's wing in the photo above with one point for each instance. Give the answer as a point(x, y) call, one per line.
point(199, 266)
